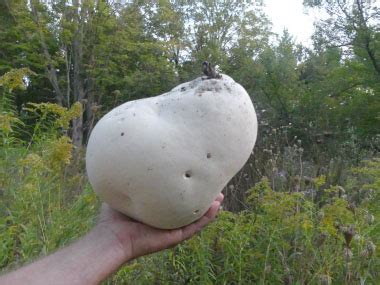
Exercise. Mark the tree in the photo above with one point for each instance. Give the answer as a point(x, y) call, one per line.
point(352, 25)
point(352, 29)
point(92, 52)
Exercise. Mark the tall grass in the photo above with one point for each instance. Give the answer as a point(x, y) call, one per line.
point(316, 234)
point(39, 211)
point(284, 238)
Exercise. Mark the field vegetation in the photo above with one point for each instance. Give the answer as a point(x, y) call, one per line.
point(304, 209)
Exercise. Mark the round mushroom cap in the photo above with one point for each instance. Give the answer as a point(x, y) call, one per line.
point(163, 160)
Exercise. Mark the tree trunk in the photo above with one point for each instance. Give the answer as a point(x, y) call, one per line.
point(78, 88)
point(50, 69)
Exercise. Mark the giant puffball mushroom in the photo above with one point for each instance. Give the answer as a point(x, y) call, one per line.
point(163, 160)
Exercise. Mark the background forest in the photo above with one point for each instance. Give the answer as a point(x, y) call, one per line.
point(303, 210)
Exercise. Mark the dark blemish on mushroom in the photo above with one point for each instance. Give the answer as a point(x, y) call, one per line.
point(208, 155)
point(127, 199)
point(227, 87)
point(183, 89)
point(195, 212)
point(122, 134)
point(188, 174)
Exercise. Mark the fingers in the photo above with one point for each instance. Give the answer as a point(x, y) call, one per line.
point(220, 198)
point(195, 227)
point(210, 215)
point(212, 211)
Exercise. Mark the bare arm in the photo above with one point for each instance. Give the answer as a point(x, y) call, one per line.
point(115, 240)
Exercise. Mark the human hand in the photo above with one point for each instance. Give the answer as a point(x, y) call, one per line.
point(137, 239)
point(115, 240)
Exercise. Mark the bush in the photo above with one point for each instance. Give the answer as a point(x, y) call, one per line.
point(39, 207)
point(283, 238)
point(314, 234)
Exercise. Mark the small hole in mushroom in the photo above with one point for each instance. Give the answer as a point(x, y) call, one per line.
point(208, 155)
point(122, 134)
point(188, 174)
point(195, 212)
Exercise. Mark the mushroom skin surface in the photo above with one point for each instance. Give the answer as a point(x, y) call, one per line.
point(163, 160)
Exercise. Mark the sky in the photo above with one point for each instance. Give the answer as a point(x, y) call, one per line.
point(290, 14)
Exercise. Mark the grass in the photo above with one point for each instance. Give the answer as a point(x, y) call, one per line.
point(282, 237)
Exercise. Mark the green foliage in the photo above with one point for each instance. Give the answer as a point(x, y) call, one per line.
point(313, 220)
point(15, 79)
point(50, 119)
point(39, 209)
point(12, 80)
point(281, 238)
point(365, 188)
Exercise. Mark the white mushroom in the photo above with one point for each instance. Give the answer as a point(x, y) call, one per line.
point(163, 160)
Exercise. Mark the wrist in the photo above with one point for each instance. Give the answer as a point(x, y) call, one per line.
point(115, 241)
point(100, 254)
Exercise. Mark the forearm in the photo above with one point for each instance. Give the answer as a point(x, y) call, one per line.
point(87, 261)
point(115, 240)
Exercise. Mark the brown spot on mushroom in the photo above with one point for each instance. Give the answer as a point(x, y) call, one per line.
point(188, 174)
point(217, 89)
point(208, 155)
point(122, 134)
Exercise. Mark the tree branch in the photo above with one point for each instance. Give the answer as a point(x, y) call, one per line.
point(50, 69)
